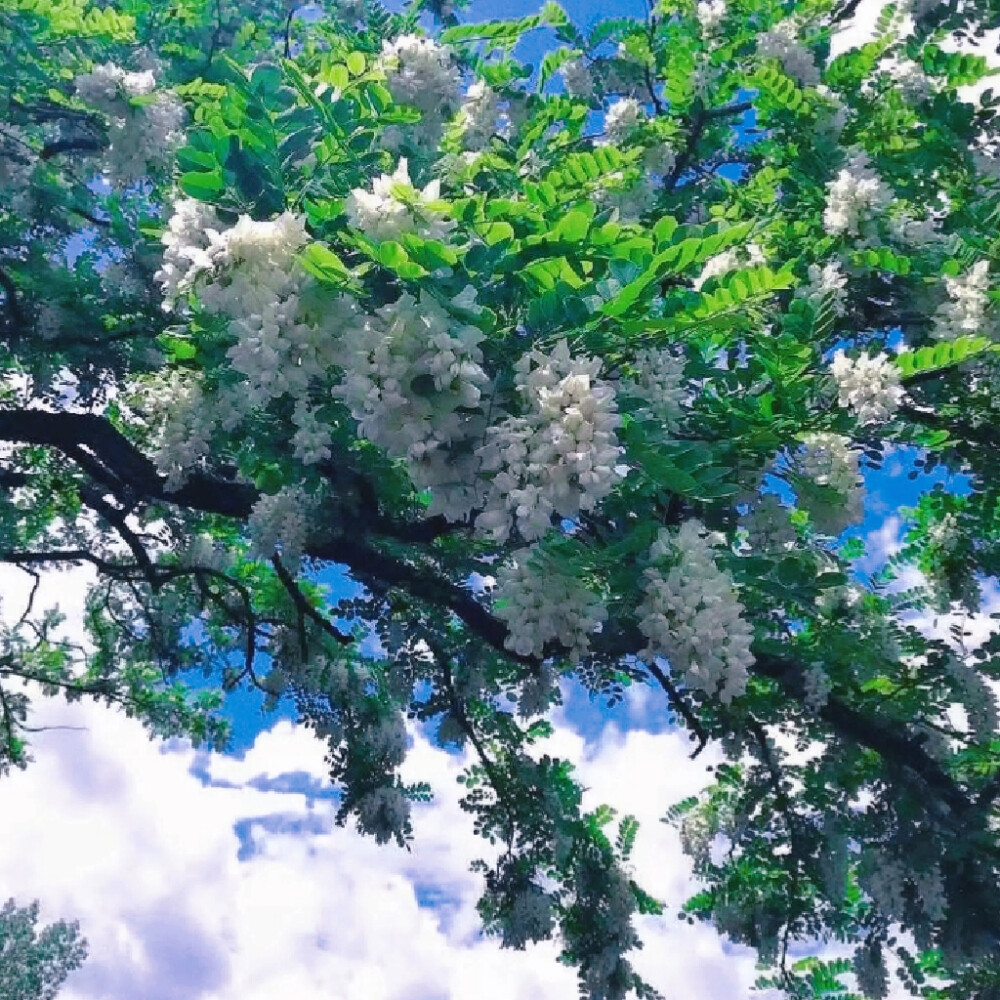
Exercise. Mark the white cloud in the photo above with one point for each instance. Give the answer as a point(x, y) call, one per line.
point(143, 844)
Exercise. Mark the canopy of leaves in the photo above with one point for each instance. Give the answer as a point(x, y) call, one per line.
point(576, 369)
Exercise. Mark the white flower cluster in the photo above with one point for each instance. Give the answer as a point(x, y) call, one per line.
point(384, 813)
point(828, 482)
point(421, 73)
point(659, 159)
point(412, 376)
point(185, 258)
point(530, 918)
point(965, 312)
point(854, 196)
point(869, 386)
point(479, 117)
point(185, 423)
point(279, 522)
point(394, 206)
point(768, 526)
point(560, 456)
point(710, 14)
point(142, 136)
point(621, 119)
point(659, 387)
point(782, 43)
point(883, 877)
point(578, 78)
point(729, 260)
point(817, 687)
point(17, 164)
point(913, 82)
point(692, 616)
point(826, 285)
point(541, 603)
point(632, 199)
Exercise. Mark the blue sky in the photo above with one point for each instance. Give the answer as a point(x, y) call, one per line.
point(222, 876)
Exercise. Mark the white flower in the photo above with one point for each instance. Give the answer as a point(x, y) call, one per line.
point(854, 196)
point(867, 385)
point(827, 285)
point(710, 14)
point(659, 387)
point(560, 456)
point(622, 118)
point(530, 918)
point(185, 422)
point(729, 260)
point(782, 43)
point(142, 137)
point(768, 526)
point(49, 320)
point(384, 813)
point(912, 81)
point(413, 379)
point(279, 522)
point(965, 313)
point(541, 603)
point(691, 615)
point(394, 206)
point(479, 116)
point(828, 482)
point(578, 79)
point(422, 73)
point(631, 200)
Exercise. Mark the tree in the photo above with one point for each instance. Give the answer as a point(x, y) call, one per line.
point(576, 368)
point(33, 966)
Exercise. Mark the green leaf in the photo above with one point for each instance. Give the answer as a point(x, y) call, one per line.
point(355, 63)
point(943, 355)
point(322, 263)
point(572, 227)
point(202, 185)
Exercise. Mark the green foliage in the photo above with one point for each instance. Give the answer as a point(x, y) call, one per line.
point(353, 371)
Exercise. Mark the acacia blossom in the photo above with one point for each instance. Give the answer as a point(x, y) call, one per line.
point(279, 523)
point(394, 206)
point(869, 386)
point(542, 603)
point(782, 43)
point(854, 196)
point(414, 381)
point(560, 455)
point(965, 312)
point(479, 117)
point(658, 387)
point(142, 136)
point(827, 285)
point(691, 614)
point(828, 482)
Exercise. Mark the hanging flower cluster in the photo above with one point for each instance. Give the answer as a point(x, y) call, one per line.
point(413, 380)
point(691, 614)
point(142, 135)
point(965, 312)
point(394, 206)
point(854, 196)
point(827, 285)
point(659, 387)
point(782, 43)
point(829, 483)
point(421, 73)
point(869, 386)
point(560, 455)
point(729, 260)
point(542, 603)
point(279, 523)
